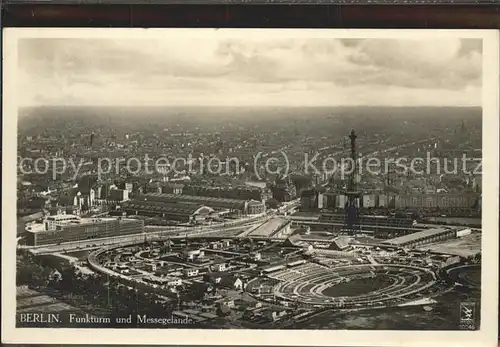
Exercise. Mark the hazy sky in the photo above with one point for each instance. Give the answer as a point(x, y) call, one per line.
point(260, 72)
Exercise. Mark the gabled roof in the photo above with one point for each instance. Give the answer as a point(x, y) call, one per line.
point(292, 241)
point(340, 243)
point(417, 236)
point(191, 199)
point(161, 207)
point(31, 217)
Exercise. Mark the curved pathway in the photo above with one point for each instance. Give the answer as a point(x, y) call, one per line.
point(309, 288)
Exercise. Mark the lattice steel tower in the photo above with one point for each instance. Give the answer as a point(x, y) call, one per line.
point(352, 225)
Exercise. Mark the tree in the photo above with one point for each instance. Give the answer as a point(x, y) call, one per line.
point(223, 310)
point(272, 203)
point(70, 280)
point(477, 257)
point(196, 291)
point(30, 274)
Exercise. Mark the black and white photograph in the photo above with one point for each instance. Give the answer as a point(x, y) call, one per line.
point(236, 180)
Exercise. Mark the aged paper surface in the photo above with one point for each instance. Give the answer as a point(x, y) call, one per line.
point(191, 186)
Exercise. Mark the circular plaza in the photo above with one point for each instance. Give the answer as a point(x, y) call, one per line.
point(352, 286)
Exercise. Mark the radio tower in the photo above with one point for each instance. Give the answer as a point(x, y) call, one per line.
point(352, 194)
point(92, 139)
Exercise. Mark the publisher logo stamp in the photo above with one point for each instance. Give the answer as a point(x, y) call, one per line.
point(468, 315)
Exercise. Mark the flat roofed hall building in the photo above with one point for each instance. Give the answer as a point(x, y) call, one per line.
point(170, 211)
point(241, 206)
point(423, 237)
point(69, 228)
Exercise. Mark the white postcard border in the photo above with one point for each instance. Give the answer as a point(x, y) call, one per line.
point(487, 335)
